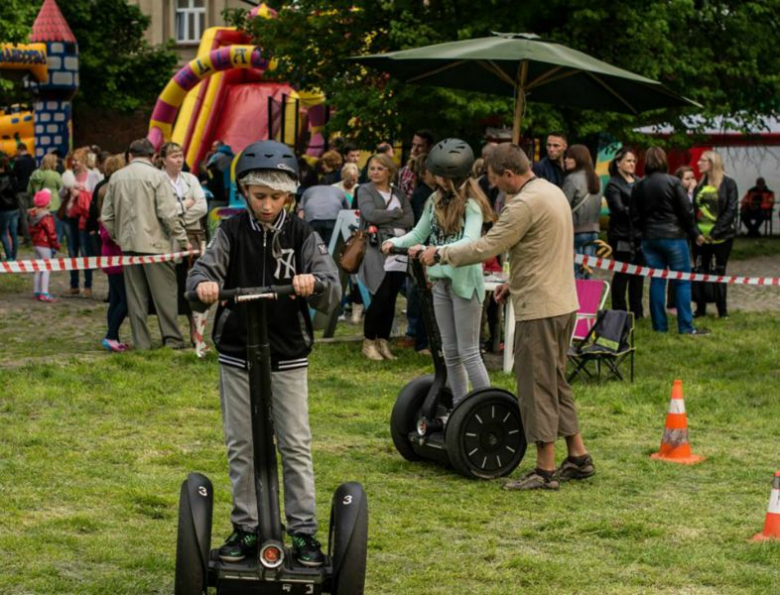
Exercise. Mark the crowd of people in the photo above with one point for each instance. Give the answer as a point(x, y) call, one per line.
point(662, 220)
point(462, 216)
point(665, 221)
point(95, 203)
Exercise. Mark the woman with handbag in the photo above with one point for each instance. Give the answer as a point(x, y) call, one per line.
point(454, 215)
point(385, 212)
point(78, 183)
point(716, 202)
point(192, 206)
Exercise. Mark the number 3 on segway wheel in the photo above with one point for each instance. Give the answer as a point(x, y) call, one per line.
point(484, 435)
point(348, 539)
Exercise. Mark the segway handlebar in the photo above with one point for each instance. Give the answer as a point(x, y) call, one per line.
point(247, 294)
point(399, 250)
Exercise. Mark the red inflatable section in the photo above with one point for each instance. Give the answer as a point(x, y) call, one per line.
point(244, 115)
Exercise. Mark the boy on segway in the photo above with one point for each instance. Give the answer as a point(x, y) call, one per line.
point(262, 246)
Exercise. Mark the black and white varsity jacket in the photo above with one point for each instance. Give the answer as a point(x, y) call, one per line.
point(243, 253)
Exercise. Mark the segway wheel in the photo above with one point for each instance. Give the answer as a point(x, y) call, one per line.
point(406, 412)
point(191, 551)
point(484, 435)
point(348, 539)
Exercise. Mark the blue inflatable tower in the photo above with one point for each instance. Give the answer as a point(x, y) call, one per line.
point(52, 107)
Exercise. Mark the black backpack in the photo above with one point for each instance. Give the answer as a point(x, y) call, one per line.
point(8, 200)
point(610, 333)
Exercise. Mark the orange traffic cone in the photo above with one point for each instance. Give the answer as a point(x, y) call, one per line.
point(772, 520)
point(675, 447)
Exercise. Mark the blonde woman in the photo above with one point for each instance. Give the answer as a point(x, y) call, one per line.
point(386, 212)
point(716, 202)
point(192, 207)
point(453, 215)
point(349, 180)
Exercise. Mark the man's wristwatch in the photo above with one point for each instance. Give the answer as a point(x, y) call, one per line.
point(437, 256)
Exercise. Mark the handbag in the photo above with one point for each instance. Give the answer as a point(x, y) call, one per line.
point(352, 252)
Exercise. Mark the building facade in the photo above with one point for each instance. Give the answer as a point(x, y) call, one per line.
point(184, 21)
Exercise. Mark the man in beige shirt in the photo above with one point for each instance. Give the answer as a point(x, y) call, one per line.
point(536, 229)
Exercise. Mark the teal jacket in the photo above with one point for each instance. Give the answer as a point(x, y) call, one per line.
point(465, 280)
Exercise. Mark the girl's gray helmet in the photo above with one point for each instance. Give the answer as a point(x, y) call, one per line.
point(267, 155)
point(450, 158)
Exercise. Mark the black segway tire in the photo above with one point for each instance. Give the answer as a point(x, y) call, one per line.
point(406, 412)
point(348, 539)
point(194, 535)
point(484, 435)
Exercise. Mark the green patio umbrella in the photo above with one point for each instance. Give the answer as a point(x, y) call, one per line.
point(530, 69)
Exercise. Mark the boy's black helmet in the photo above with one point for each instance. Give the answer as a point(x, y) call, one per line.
point(267, 155)
point(450, 158)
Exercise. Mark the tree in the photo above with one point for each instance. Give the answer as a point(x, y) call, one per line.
point(118, 69)
point(717, 52)
point(16, 16)
point(15, 19)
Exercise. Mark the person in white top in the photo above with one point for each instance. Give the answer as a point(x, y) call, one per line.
point(192, 205)
point(349, 180)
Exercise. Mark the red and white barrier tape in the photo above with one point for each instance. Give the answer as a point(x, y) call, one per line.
point(88, 262)
point(642, 271)
point(99, 262)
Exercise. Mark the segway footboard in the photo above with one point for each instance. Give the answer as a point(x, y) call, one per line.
point(407, 413)
point(248, 578)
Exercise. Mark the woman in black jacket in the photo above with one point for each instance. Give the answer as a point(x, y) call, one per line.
point(661, 212)
point(623, 238)
point(716, 202)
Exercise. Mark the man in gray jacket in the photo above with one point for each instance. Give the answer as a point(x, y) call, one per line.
point(141, 214)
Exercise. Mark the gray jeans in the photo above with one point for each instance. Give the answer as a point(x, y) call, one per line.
point(459, 324)
point(156, 282)
point(293, 439)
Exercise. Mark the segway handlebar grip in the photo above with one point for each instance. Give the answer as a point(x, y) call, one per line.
point(276, 290)
point(399, 250)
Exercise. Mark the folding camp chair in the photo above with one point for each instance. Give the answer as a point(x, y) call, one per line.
point(610, 341)
point(592, 294)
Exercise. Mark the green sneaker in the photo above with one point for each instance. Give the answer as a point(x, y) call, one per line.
point(238, 546)
point(307, 550)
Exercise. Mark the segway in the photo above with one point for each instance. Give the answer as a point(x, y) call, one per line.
point(481, 437)
point(273, 570)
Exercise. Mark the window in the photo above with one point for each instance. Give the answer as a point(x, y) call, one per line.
point(190, 20)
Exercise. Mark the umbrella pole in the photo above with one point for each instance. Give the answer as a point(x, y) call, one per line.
point(522, 74)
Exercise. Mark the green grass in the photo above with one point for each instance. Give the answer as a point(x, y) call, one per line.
point(93, 448)
point(745, 248)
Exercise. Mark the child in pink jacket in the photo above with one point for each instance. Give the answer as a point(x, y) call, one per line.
point(44, 239)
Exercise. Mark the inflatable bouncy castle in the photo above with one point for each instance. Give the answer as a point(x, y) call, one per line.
point(228, 93)
point(52, 60)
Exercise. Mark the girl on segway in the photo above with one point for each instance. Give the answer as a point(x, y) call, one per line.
point(453, 215)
